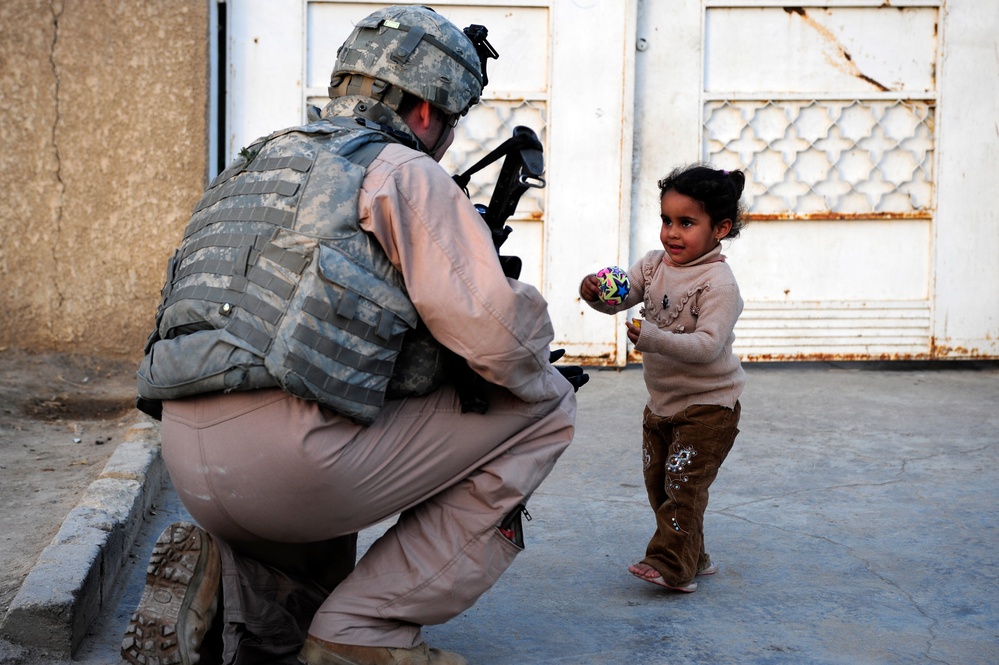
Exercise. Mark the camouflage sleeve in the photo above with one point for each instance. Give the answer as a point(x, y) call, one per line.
point(434, 236)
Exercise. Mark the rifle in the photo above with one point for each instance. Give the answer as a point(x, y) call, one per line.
point(521, 170)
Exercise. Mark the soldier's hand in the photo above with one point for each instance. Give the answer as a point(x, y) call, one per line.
point(574, 374)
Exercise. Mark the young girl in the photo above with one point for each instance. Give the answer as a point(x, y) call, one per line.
point(690, 303)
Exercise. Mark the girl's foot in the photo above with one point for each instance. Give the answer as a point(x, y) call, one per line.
point(649, 574)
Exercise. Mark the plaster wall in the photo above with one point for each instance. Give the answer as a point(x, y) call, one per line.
point(103, 144)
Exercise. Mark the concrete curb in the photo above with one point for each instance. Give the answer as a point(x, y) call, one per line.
point(76, 573)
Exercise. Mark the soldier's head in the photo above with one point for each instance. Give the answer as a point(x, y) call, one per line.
point(417, 63)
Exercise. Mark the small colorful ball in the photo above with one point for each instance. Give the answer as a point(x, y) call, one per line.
point(614, 285)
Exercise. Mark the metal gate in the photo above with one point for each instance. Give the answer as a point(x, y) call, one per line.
point(833, 110)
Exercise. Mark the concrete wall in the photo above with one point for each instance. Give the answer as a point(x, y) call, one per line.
point(103, 144)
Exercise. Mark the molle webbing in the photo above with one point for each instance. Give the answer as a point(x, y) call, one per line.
point(243, 270)
point(262, 214)
point(280, 187)
point(334, 386)
point(261, 245)
point(342, 316)
point(300, 164)
point(222, 190)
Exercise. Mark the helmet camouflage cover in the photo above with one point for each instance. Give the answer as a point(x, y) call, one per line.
point(409, 49)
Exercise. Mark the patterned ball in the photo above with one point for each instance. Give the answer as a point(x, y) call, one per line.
point(614, 285)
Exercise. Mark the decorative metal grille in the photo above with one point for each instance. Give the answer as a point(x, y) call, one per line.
point(826, 158)
point(486, 126)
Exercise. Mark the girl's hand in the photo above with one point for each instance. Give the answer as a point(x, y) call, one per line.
point(589, 289)
point(634, 330)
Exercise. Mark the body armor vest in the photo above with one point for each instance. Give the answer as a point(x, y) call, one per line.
point(276, 285)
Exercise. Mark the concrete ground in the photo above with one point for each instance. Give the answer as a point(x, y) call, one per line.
point(856, 521)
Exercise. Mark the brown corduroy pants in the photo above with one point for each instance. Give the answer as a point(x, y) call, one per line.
point(681, 458)
point(284, 485)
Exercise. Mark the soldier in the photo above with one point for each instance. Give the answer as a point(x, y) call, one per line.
point(325, 283)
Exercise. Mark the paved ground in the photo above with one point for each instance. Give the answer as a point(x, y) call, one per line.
point(855, 521)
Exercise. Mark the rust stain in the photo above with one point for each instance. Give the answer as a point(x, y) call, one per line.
point(844, 62)
point(830, 357)
point(865, 77)
point(938, 353)
point(934, 351)
point(944, 351)
point(811, 216)
point(635, 357)
point(602, 360)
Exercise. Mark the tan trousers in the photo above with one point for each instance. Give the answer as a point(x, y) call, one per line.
point(290, 483)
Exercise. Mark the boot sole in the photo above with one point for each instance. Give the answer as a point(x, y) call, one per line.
point(179, 601)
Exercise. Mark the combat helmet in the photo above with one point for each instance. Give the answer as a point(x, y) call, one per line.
point(415, 50)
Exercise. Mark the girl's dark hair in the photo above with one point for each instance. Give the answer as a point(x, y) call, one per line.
point(717, 191)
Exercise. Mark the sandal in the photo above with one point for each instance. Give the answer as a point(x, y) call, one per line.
point(709, 569)
point(689, 587)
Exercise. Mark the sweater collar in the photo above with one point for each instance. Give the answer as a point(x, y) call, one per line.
point(713, 256)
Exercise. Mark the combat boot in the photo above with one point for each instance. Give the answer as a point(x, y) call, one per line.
point(180, 599)
point(321, 652)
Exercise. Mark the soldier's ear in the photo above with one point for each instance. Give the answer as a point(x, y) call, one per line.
point(423, 114)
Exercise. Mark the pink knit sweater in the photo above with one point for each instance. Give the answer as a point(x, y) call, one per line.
point(687, 351)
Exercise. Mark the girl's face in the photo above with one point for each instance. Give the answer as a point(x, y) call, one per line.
point(687, 234)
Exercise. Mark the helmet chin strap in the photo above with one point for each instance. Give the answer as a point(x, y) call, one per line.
point(372, 117)
point(363, 113)
point(440, 141)
point(403, 138)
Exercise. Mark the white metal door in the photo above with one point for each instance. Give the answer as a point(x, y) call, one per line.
point(830, 110)
point(562, 71)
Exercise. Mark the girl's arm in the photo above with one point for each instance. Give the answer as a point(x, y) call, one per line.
point(719, 310)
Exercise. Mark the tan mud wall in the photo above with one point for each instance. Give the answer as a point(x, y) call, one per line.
point(103, 144)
